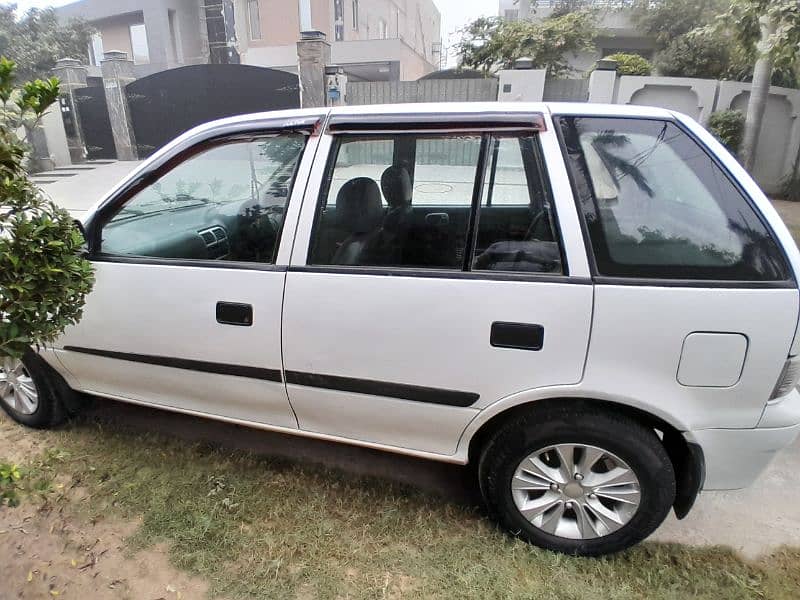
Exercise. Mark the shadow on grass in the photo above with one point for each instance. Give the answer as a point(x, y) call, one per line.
point(361, 526)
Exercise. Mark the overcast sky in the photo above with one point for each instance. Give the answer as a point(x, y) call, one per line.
point(455, 13)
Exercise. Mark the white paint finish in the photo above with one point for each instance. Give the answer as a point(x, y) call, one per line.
point(734, 458)
point(782, 412)
point(433, 332)
point(638, 332)
point(526, 85)
point(712, 359)
point(693, 96)
point(171, 311)
point(389, 421)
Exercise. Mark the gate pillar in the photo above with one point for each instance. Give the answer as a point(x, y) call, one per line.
point(313, 53)
point(72, 75)
point(117, 73)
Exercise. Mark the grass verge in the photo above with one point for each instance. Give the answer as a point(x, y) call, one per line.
point(261, 528)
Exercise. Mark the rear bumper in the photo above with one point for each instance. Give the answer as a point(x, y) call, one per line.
point(735, 457)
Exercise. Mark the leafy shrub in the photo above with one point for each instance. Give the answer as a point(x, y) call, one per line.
point(631, 64)
point(699, 53)
point(43, 278)
point(9, 484)
point(728, 127)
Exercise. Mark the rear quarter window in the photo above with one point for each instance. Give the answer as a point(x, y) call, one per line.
point(657, 205)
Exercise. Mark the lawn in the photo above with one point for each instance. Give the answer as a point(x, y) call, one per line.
point(255, 527)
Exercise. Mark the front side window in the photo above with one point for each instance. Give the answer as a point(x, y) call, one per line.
point(657, 206)
point(225, 203)
point(409, 201)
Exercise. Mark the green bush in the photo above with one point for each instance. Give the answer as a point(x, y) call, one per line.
point(728, 127)
point(699, 53)
point(631, 64)
point(9, 484)
point(43, 277)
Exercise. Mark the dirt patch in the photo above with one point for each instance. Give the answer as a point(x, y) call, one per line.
point(49, 554)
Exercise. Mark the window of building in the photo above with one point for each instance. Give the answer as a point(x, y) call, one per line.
point(511, 14)
point(656, 205)
point(338, 20)
point(355, 15)
point(382, 29)
point(96, 49)
point(139, 47)
point(254, 19)
point(407, 201)
point(226, 203)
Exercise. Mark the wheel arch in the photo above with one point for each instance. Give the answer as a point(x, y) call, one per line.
point(686, 457)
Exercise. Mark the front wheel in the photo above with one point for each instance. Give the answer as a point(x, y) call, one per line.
point(29, 391)
point(577, 480)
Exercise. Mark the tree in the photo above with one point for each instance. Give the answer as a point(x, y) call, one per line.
point(771, 28)
point(698, 53)
point(667, 20)
point(43, 279)
point(491, 43)
point(37, 40)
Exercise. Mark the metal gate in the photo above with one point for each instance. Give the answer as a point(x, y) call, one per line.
point(166, 104)
point(90, 104)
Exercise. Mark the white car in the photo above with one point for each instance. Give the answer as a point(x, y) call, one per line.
point(594, 305)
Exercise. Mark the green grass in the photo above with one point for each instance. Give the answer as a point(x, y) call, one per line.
point(261, 528)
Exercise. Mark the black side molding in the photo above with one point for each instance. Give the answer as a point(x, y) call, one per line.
point(184, 363)
point(520, 336)
point(401, 391)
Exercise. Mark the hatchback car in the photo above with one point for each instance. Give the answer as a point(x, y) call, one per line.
point(594, 305)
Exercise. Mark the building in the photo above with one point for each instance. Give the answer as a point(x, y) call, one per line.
point(374, 40)
point(617, 32)
point(157, 34)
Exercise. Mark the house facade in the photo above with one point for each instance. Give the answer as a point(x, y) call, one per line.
point(374, 40)
point(617, 32)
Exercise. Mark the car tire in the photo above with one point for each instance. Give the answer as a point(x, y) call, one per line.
point(582, 519)
point(52, 394)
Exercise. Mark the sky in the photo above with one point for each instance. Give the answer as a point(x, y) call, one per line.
point(455, 13)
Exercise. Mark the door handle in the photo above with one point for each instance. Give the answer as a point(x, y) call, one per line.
point(235, 313)
point(520, 336)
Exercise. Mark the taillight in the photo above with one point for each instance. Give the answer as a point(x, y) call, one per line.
point(788, 379)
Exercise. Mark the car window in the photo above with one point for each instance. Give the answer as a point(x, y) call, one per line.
point(657, 205)
point(225, 203)
point(516, 224)
point(397, 200)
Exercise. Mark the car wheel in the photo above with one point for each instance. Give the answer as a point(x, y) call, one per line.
point(577, 480)
point(29, 393)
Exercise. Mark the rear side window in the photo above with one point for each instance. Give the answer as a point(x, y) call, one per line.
point(657, 206)
point(469, 202)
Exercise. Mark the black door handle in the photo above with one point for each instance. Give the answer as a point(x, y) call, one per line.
point(235, 313)
point(521, 336)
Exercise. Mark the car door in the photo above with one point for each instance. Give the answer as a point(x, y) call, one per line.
point(429, 278)
point(190, 262)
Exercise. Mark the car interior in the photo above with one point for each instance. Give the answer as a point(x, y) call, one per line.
point(376, 221)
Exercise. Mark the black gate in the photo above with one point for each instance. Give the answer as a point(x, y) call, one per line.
point(96, 127)
point(166, 104)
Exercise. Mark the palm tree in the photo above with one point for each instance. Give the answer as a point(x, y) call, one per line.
point(759, 93)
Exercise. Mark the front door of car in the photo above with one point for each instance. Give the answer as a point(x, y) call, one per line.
point(186, 310)
point(430, 282)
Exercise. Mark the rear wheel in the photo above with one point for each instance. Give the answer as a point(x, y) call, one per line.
point(577, 480)
point(30, 393)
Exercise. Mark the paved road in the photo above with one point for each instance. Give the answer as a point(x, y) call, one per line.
point(78, 188)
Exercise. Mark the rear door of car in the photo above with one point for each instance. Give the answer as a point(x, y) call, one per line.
point(437, 269)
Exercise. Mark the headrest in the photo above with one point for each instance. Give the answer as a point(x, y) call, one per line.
point(396, 186)
point(358, 205)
